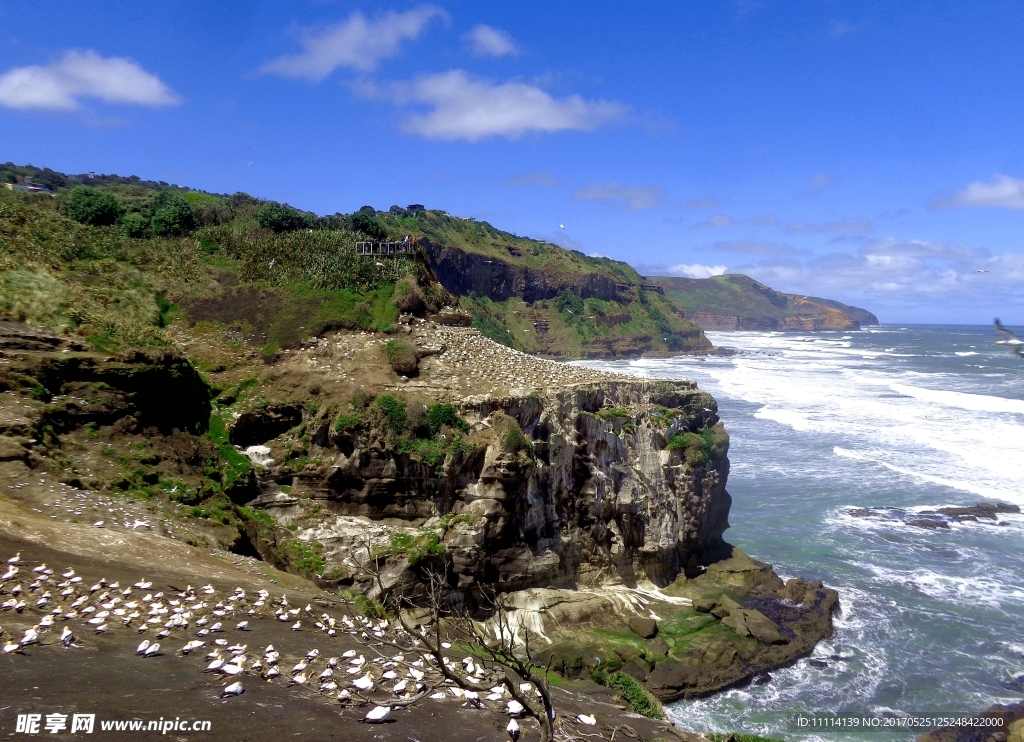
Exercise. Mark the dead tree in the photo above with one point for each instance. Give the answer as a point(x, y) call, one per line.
point(511, 661)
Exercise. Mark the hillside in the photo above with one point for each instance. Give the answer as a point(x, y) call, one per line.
point(736, 302)
point(277, 275)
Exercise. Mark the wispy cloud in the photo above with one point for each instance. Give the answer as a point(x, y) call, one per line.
point(485, 41)
point(471, 108)
point(855, 226)
point(1001, 192)
point(541, 180)
point(637, 197)
point(717, 221)
point(61, 85)
point(356, 43)
point(696, 270)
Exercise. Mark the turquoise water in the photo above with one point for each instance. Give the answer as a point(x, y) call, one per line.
point(913, 417)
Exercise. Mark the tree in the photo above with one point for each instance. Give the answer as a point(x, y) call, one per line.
point(283, 218)
point(172, 214)
point(368, 225)
point(92, 206)
point(135, 224)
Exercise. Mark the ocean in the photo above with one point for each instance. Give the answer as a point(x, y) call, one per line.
point(897, 418)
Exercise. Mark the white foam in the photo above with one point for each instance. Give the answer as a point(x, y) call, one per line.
point(961, 400)
point(966, 353)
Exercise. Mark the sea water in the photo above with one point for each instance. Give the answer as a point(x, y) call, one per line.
point(914, 417)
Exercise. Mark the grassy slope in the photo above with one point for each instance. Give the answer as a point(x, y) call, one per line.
point(737, 295)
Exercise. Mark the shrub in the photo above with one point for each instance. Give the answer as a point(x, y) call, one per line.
point(393, 410)
point(172, 214)
point(346, 421)
point(610, 413)
point(368, 225)
point(402, 357)
point(417, 547)
point(511, 436)
point(439, 415)
point(409, 297)
point(95, 207)
point(135, 224)
point(283, 218)
point(635, 695)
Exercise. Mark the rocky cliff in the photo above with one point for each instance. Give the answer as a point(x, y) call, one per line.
point(593, 493)
point(736, 302)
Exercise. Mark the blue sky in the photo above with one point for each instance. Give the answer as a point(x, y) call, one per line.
point(864, 151)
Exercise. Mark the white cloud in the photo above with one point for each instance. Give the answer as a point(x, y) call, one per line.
point(485, 41)
point(853, 226)
point(60, 85)
point(630, 197)
point(474, 109)
point(768, 220)
point(1003, 192)
point(821, 180)
point(718, 221)
point(747, 247)
point(696, 270)
point(702, 204)
point(357, 43)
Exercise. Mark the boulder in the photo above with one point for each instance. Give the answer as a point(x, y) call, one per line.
point(705, 606)
point(736, 621)
point(637, 668)
point(645, 628)
point(657, 648)
point(762, 628)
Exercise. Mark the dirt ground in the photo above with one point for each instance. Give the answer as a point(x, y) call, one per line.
point(103, 676)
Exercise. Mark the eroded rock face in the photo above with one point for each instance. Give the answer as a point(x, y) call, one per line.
point(598, 498)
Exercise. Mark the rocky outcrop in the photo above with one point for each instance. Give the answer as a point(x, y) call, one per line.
point(736, 302)
point(463, 272)
point(597, 495)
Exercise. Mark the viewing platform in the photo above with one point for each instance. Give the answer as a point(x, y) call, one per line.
point(386, 247)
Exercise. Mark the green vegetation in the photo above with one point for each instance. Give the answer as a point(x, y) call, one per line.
point(417, 547)
point(236, 466)
point(304, 558)
point(90, 206)
point(511, 436)
point(283, 218)
point(612, 413)
point(393, 410)
point(632, 691)
point(440, 415)
point(402, 356)
point(347, 421)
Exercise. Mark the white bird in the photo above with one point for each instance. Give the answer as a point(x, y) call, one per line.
point(299, 679)
point(364, 683)
point(1011, 340)
point(9, 573)
point(242, 626)
point(67, 639)
point(588, 720)
point(378, 715)
point(513, 730)
point(31, 637)
point(235, 689)
point(153, 649)
point(561, 226)
point(16, 558)
point(273, 672)
point(215, 665)
point(11, 647)
point(514, 708)
point(232, 669)
point(142, 584)
point(142, 647)
point(297, 626)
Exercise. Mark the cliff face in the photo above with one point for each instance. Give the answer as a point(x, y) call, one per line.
point(735, 302)
point(595, 497)
point(463, 272)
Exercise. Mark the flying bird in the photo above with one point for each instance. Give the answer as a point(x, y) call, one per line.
point(1011, 340)
point(561, 226)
